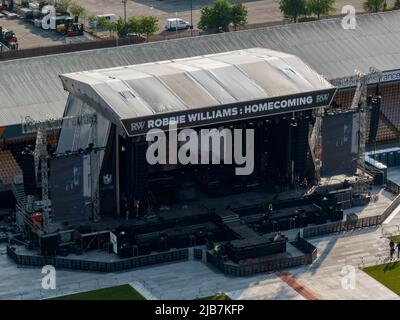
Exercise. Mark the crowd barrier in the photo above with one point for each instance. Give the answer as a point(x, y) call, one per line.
point(392, 186)
point(366, 222)
point(228, 268)
point(253, 266)
point(97, 266)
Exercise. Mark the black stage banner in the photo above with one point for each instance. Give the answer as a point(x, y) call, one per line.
point(229, 112)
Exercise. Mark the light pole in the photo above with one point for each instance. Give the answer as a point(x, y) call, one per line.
point(176, 23)
point(124, 2)
point(191, 18)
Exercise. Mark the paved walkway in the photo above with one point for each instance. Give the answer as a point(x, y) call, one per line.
point(297, 285)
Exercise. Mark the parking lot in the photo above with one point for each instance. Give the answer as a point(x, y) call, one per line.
point(33, 37)
point(260, 11)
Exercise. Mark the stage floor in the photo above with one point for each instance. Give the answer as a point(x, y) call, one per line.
point(200, 206)
point(206, 202)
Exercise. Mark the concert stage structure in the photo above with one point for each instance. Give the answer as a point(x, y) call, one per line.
point(275, 94)
point(103, 193)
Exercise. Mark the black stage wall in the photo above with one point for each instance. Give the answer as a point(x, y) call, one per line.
point(340, 144)
point(70, 188)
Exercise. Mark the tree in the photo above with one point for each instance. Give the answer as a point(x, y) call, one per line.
point(238, 15)
point(397, 4)
point(62, 5)
point(121, 28)
point(148, 26)
point(216, 16)
point(104, 23)
point(292, 9)
point(134, 25)
point(374, 5)
point(321, 7)
point(77, 10)
point(221, 14)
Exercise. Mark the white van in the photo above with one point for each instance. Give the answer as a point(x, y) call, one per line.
point(109, 16)
point(176, 23)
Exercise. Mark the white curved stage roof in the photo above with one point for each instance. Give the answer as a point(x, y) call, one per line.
point(235, 79)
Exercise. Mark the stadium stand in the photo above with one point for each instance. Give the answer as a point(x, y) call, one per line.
point(9, 167)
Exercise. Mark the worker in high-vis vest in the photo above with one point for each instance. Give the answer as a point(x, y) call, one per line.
point(270, 209)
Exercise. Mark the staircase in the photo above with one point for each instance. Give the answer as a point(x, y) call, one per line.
point(229, 217)
point(19, 194)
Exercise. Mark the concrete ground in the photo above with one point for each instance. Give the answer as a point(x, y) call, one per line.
point(30, 36)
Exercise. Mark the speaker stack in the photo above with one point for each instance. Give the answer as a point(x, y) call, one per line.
point(28, 171)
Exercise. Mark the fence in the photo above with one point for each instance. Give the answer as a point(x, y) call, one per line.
point(392, 186)
point(198, 254)
point(239, 270)
point(304, 246)
point(63, 48)
point(388, 211)
point(97, 266)
point(313, 231)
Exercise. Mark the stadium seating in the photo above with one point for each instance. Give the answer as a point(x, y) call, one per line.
point(391, 104)
point(390, 108)
point(9, 167)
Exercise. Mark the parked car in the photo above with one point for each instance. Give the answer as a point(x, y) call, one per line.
point(176, 24)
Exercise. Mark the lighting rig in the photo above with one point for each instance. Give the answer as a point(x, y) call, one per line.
point(42, 156)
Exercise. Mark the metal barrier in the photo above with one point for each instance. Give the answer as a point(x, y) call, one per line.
point(198, 253)
point(97, 266)
point(341, 226)
point(389, 210)
point(392, 186)
point(64, 48)
point(239, 270)
point(366, 222)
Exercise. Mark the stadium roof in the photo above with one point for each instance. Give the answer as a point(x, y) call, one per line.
point(186, 85)
point(31, 87)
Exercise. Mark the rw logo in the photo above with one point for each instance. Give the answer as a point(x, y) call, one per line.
point(322, 98)
point(137, 126)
